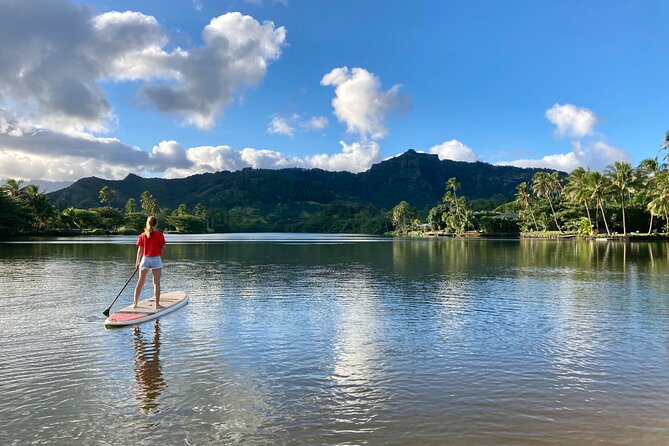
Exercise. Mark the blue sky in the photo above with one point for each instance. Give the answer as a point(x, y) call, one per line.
point(172, 88)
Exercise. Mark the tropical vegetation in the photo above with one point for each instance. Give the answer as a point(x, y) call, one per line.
point(621, 200)
point(25, 210)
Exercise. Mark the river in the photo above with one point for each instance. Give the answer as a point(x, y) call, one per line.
point(305, 339)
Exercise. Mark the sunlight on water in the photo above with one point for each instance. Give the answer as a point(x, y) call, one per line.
point(317, 339)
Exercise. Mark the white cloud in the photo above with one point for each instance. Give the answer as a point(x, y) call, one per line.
point(359, 101)
point(317, 123)
point(30, 152)
point(208, 159)
point(578, 123)
point(197, 4)
point(51, 82)
point(356, 157)
point(288, 125)
point(571, 121)
point(454, 150)
point(260, 2)
point(217, 158)
point(281, 126)
point(236, 53)
point(269, 159)
point(596, 156)
point(53, 76)
point(169, 154)
point(16, 164)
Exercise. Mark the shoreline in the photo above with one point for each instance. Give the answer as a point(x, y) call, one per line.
point(632, 237)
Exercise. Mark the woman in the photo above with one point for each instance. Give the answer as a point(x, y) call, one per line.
point(149, 257)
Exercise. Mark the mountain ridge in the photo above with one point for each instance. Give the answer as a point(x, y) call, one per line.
point(417, 178)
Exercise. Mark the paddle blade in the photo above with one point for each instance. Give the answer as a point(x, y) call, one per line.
point(106, 312)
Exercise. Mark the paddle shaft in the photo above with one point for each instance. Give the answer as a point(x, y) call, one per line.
point(106, 312)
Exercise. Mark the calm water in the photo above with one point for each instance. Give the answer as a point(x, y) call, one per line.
point(339, 340)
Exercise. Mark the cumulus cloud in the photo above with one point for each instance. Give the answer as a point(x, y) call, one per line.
point(577, 123)
point(269, 159)
point(169, 154)
point(317, 123)
point(594, 155)
point(54, 56)
point(29, 151)
point(33, 152)
point(356, 157)
point(237, 50)
point(571, 121)
point(454, 150)
point(217, 158)
point(55, 53)
point(360, 103)
point(260, 2)
point(288, 125)
point(281, 126)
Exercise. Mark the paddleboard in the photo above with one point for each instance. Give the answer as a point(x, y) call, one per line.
point(144, 311)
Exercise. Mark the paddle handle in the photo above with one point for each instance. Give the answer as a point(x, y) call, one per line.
point(106, 312)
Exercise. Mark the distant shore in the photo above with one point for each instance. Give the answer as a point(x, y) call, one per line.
point(542, 235)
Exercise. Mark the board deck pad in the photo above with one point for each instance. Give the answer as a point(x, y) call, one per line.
point(144, 310)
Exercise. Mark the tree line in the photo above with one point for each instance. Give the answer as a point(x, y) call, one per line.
point(25, 210)
point(620, 200)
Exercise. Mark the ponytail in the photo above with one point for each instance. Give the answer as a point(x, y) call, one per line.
point(151, 223)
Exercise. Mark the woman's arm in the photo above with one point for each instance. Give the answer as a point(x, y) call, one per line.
point(140, 254)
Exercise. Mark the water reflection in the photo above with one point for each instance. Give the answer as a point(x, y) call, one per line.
point(148, 370)
point(357, 370)
point(447, 341)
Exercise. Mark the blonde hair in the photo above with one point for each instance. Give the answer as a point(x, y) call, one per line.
point(151, 223)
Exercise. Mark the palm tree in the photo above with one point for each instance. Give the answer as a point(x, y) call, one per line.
point(547, 185)
point(659, 205)
point(646, 178)
point(106, 195)
point(130, 206)
point(454, 186)
point(622, 178)
point(38, 205)
point(665, 145)
point(202, 212)
point(598, 187)
point(149, 203)
point(524, 200)
point(402, 213)
point(12, 188)
point(576, 189)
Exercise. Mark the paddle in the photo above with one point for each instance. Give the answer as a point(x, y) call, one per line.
point(106, 312)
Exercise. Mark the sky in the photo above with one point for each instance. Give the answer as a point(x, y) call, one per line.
point(174, 88)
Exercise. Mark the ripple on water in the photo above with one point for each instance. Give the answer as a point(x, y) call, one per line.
point(315, 340)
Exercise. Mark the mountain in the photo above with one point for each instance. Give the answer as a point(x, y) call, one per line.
point(417, 178)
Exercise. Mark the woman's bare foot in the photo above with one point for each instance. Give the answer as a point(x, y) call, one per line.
point(157, 307)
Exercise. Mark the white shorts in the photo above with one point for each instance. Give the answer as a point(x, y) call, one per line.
point(153, 262)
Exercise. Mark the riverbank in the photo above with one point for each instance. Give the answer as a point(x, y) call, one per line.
point(543, 235)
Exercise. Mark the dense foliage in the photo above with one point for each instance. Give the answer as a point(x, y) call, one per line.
point(414, 177)
point(27, 211)
point(621, 200)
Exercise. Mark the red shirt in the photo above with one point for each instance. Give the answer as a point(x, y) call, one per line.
point(153, 246)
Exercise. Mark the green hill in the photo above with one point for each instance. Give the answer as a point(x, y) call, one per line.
point(288, 199)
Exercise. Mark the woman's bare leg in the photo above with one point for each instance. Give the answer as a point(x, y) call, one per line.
point(140, 283)
point(156, 285)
